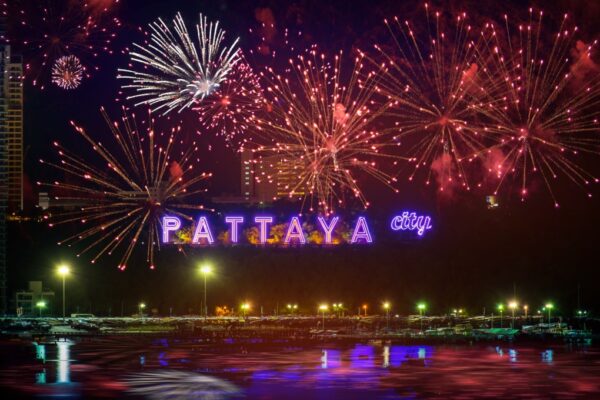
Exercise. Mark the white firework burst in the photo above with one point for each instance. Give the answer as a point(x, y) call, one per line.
point(176, 71)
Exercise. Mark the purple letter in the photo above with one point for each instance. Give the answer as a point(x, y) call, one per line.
point(263, 221)
point(170, 224)
point(202, 231)
point(234, 221)
point(328, 229)
point(361, 231)
point(294, 231)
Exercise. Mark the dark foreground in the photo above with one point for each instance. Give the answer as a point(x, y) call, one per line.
point(158, 367)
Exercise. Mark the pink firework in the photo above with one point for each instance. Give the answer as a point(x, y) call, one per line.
point(230, 111)
point(67, 72)
point(542, 104)
point(46, 30)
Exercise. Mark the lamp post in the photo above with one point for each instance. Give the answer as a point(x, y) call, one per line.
point(364, 307)
point(205, 270)
point(323, 308)
point(513, 306)
point(40, 305)
point(141, 307)
point(525, 309)
point(386, 307)
point(501, 309)
point(63, 271)
point(549, 307)
point(245, 307)
point(421, 307)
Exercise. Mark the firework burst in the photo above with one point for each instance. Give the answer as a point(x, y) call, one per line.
point(46, 30)
point(322, 130)
point(119, 203)
point(431, 75)
point(176, 72)
point(67, 72)
point(543, 103)
point(230, 111)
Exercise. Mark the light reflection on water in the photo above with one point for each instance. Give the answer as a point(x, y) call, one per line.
point(117, 367)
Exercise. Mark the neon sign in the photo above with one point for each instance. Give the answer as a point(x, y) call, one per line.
point(410, 221)
point(296, 231)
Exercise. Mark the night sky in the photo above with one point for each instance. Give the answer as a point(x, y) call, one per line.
point(473, 258)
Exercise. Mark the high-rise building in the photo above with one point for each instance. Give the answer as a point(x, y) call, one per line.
point(12, 126)
point(269, 178)
point(11, 150)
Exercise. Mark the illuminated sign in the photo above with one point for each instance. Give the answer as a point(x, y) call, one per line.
point(264, 230)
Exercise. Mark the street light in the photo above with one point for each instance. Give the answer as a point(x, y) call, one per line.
point(513, 306)
point(364, 307)
point(245, 307)
point(421, 307)
point(292, 308)
point(323, 308)
point(501, 309)
point(205, 270)
point(549, 307)
point(40, 305)
point(525, 309)
point(386, 307)
point(63, 271)
point(141, 307)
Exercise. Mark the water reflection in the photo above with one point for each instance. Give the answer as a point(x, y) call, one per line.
point(64, 363)
point(158, 369)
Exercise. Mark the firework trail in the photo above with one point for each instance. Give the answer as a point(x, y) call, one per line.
point(230, 111)
point(432, 78)
point(120, 202)
point(542, 103)
point(176, 72)
point(322, 130)
point(46, 30)
point(67, 72)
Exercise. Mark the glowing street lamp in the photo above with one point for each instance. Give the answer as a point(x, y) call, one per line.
point(513, 306)
point(292, 308)
point(421, 307)
point(323, 308)
point(364, 307)
point(63, 271)
point(501, 309)
point(205, 270)
point(549, 307)
point(40, 305)
point(141, 307)
point(245, 307)
point(386, 306)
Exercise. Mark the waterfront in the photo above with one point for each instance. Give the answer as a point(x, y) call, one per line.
point(158, 368)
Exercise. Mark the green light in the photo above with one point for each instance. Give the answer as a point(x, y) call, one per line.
point(40, 304)
point(421, 306)
point(549, 306)
point(500, 307)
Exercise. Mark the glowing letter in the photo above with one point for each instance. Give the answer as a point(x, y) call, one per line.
point(328, 229)
point(234, 221)
point(423, 224)
point(169, 224)
point(202, 232)
point(411, 222)
point(294, 232)
point(263, 221)
point(361, 231)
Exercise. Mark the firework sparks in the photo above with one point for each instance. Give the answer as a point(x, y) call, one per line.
point(67, 72)
point(46, 30)
point(543, 103)
point(323, 130)
point(120, 203)
point(432, 77)
point(230, 111)
point(176, 72)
